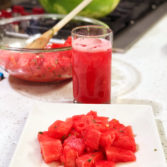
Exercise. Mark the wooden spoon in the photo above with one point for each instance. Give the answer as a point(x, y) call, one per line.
point(42, 41)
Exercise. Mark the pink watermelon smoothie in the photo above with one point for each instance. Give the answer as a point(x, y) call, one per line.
point(91, 67)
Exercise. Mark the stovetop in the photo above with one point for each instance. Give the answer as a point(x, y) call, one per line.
point(132, 18)
point(128, 12)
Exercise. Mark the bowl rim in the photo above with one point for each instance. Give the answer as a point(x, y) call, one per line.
point(53, 16)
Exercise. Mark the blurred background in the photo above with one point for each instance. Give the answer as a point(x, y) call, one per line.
point(129, 19)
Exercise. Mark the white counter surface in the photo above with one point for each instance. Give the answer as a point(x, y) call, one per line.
point(139, 77)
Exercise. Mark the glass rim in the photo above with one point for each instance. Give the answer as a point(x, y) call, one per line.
point(110, 32)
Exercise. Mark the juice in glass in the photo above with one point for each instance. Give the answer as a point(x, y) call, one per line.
point(91, 65)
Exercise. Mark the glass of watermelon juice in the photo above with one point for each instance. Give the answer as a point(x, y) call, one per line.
point(91, 64)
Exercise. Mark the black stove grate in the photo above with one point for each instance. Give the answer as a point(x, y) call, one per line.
point(128, 12)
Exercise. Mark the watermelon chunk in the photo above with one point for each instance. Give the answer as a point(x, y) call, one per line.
point(116, 154)
point(105, 163)
point(75, 143)
point(69, 157)
point(51, 149)
point(92, 138)
point(107, 138)
point(125, 139)
point(60, 129)
point(115, 124)
point(88, 160)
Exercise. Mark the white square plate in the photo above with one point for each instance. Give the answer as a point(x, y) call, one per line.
point(140, 117)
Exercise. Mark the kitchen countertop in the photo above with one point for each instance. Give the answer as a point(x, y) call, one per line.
point(139, 77)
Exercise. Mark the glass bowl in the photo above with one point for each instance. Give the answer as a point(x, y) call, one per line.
point(37, 65)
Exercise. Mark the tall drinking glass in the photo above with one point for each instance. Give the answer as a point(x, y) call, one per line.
point(91, 64)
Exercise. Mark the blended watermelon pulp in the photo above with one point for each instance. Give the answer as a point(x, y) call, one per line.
point(39, 67)
point(91, 66)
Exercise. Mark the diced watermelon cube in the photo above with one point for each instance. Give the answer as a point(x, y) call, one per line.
point(104, 163)
point(43, 136)
point(99, 123)
point(125, 139)
point(68, 42)
point(51, 149)
point(119, 155)
point(92, 138)
point(107, 138)
point(60, 129)
point(92, 113)
point(75, 143)
point(69, 157)
point(55, 45)
point(74, 132)
point(115, 124)
point(89, 160)
point(80, 122)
